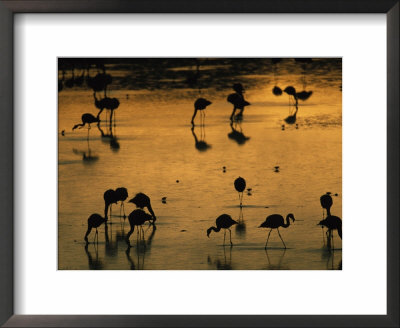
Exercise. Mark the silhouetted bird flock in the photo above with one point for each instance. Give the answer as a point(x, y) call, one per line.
point(138, 217)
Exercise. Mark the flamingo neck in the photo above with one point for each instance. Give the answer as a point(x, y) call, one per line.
point(287, 222)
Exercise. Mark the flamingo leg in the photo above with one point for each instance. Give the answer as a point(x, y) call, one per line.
point(281, 238)
point(87, 234)
point(96, 236)
point(123, 206)
point(233, 113)
point(194, 115)
point(266, 243)
point(230, 237)
point(224, 236)
point(128, 235)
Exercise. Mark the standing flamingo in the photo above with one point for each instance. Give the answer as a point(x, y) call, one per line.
point(142, 200)
point(326, 203)
point(274, 221)
point(240, 186)
point(237, 100)
point(332, 223)
point(94, 221)
point(137, 218)
point(110, 197)
point(224, 221)
point(200, 104)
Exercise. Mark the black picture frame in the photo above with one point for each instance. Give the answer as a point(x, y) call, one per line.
point(7, 10)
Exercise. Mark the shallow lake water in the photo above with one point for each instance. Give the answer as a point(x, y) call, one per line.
point(154, 150)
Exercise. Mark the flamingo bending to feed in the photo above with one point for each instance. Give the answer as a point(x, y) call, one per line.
point(137, 218)
point(142, 200)
point(121, 195)
point(224, 221)
point(94, 221)
point(200, 104)
point(110, 197)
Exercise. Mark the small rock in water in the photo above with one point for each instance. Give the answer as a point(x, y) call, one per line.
point(276, 169)
point(297, 126)
point(177, 181)
point(63, 132)
point(164, 198)
point(283, 127)
point(183, 230)
point(266, 207)
point(336, 194)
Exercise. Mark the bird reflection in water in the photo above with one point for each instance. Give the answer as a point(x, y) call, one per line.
point(329, 256)
point(226, 264)
point(144, 246)
point(87, 156)
point(240, 228)
point(276, 263)
point(109, 137)
point(94, 263)
point(199, 142)
point(237, 133)
point(111, 249)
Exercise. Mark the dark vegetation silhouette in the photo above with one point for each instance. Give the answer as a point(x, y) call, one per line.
point(275, 221)
point(225, 222)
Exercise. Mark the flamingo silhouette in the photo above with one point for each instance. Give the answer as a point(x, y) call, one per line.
point(94, 221)
point(110, 197)
point(142, 200)
point(200, 104)
point(121, 195)
point(88, 119)
point(326, 203)
point(274, 221)
point(332, 223)
point(240, 186)
point(100, 104)
point(224, 221)
point(304, 95)
point(277, 91)
point(237, 100)
point(137, 218)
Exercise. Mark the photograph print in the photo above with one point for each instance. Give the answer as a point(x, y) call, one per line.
point(200, 163)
